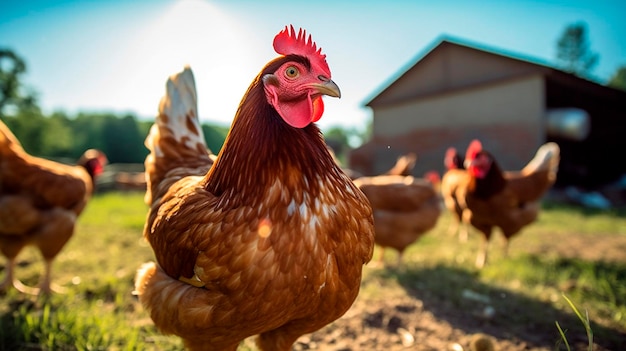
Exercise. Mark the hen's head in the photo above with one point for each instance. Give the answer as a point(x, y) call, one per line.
point(477, 161)
point(433, 177)
point(94, 161)
point(295, 89)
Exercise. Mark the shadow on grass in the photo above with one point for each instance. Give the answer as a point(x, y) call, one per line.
point(458, 297)
point(14, 326)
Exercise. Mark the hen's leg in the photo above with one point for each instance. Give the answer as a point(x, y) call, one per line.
point(46, 286)
point(9, 275)
point(481, 259)
point(453, 227)
point(505, 248)
point(54, 235)
point(463, 231)
point(10, 249)
point(399, 262)
point(381, 257)
point(10, 280)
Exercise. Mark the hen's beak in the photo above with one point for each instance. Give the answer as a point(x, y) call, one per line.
point(328, 87)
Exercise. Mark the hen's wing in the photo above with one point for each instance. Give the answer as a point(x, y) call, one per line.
point(395, 193)
point(48, 183)
point(17, 215)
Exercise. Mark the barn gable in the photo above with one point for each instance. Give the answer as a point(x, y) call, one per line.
point(456, 92)
point(451, 65)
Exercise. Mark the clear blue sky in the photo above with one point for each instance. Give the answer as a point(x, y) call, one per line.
point(116, 55)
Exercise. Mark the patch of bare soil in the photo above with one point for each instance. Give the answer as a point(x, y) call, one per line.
point(599, 247)
point(399, 324)
point(413, 324)
point(464, 319)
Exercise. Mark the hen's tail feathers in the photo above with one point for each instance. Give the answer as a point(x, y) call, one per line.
point(8, 139)
point(176, 141)
point(546, 158)
point(404, 165)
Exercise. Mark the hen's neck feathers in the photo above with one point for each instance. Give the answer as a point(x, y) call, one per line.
point(491, 184)
point(261, 148)
point(89, 166)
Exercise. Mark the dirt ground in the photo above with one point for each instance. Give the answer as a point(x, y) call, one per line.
point(421, 321)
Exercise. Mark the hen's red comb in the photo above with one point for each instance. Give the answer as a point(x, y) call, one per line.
point(450, 152)
point(474, 147)
point(448, 159)
point(287, 42)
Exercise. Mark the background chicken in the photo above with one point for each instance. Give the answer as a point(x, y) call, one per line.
point(273, 239)
point(39, 203)
point(405, 208)
point(454, 176)
point(508, 200)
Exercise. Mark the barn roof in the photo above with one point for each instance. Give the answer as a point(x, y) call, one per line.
point(441, 69)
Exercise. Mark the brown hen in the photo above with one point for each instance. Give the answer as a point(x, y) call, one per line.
point(40, 201)
point(405, 208)
point(507, 200)
point(269, 239)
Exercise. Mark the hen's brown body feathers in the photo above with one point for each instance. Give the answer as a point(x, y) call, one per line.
point(39, 201)
point(405, 208)
point(270, 241)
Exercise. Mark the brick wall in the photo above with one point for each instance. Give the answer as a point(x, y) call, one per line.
point(512, 144)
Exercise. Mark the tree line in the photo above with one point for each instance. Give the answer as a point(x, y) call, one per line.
point(62, 137)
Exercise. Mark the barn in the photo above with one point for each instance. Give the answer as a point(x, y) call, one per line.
point(458, 91)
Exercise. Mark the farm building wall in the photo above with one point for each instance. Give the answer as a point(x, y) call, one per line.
point(506, 115)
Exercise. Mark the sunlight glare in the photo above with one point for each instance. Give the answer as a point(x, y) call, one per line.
point(265, 228)
point(198, 33)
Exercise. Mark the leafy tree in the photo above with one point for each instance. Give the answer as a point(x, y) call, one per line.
point(88, 133)
point(29, 128)
point(122, 141)
point(573, 51)
point(337, 139)
point(342, 140)
point(12, 67)
point(214, 136)
point(57, 138)
point(619, 79)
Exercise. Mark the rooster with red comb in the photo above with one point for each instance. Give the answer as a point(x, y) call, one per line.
point(269, 238)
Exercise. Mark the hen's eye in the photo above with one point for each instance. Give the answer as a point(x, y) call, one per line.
point(291, 72)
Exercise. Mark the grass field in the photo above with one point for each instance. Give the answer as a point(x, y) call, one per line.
point(581, 254)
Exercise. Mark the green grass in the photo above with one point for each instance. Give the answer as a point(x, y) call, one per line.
point(585, 322)
point(98, 266)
